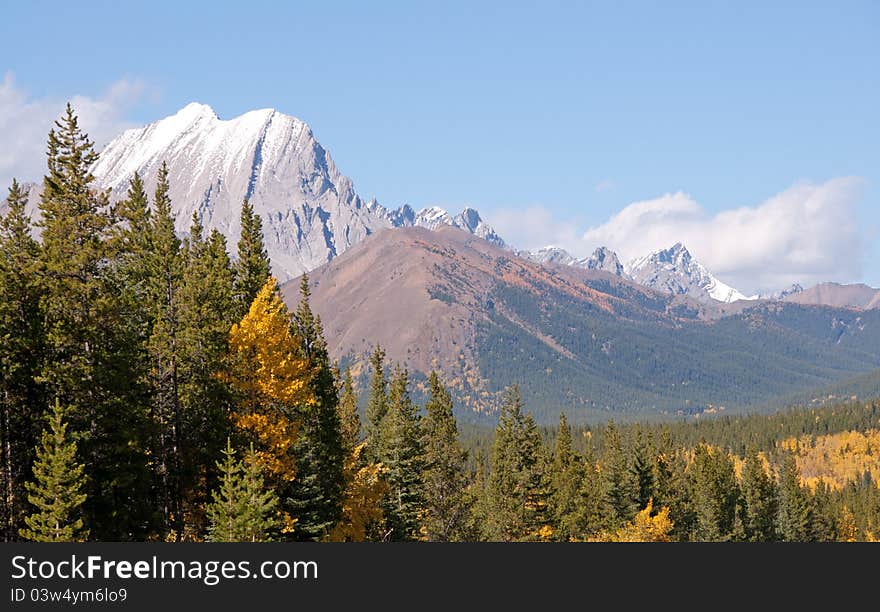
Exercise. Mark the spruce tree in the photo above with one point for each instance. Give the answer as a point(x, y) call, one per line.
point(205, 318)
point(671, 486)
point(641, 467)
point(56, 493)
point(402, 456)
point(316, 496)
point(243, 508)
point(252, 268)
point(515, 486)
point(377, 406)
point(715, 494)
point(21, 351)
point(165, 278)
point(758, 500)
point(795, 514)
point(567, 476)
point(447, 503)
point(619, 489)
point(93, 338)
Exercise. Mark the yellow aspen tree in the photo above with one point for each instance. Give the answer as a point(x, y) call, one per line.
point(270, 379)
point(361, 502)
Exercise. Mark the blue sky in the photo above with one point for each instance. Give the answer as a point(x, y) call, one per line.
point(551, 118)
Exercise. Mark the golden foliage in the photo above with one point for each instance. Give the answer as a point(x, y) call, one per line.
point(364, 490)
point(267, 364)
point(643, 528)
point(270, 378)
point(836, 458)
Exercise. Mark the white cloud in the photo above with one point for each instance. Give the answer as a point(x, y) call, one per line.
point(809, 233)
point(25, 122)
point(533, 227)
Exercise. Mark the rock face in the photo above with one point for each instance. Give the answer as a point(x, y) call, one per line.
point(605, 259)
point(602, 258)
point(550, 255)
point(310, 210)
point(675, 271)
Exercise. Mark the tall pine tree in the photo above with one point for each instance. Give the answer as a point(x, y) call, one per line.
point(795, 514)
point(514, 489)
point(715, 494)
point(205, 318)
point(21, 352)
point(758, 500)
point(316, 495)
point(377, 406)
point(447, 501)
point(401, 455)
point(567, 476)
point(93, 343)
point(165, 278)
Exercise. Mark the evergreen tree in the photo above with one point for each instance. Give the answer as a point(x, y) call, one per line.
point(21, 350)
point(641, 467)
point(795, 516)
point(243, 509)
point(619, 489)
point(56, 492)
point(589, 508)
point(823, 527)
point(165, 277)
point(402, 457)
point(316, 496)
point(204, 319)
point(349, 420)
point(252, 268)
point(567, 475)
point(515, 487)
point(671, 486)
point(758, 501)
point(377, 405)
point(715, 494)
point(445, 481)
point(92, 340)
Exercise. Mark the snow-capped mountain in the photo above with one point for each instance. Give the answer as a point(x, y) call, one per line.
point(777, 296)
point(604, 258)
point(675, 271)
point(310, 210)
point(434, 217)
point(550, 255)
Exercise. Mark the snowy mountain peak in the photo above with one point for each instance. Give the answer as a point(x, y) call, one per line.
point(605, 259)
point(550, 254)
point(310, 211)
point(674, 270)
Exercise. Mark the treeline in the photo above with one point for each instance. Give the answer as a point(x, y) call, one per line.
point(151, 388)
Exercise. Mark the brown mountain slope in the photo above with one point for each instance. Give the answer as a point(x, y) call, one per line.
point(838, 296)
point(582, 341)
point(422, 294)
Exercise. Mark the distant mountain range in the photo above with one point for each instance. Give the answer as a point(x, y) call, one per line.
point(311, 212)
point(586, 341)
